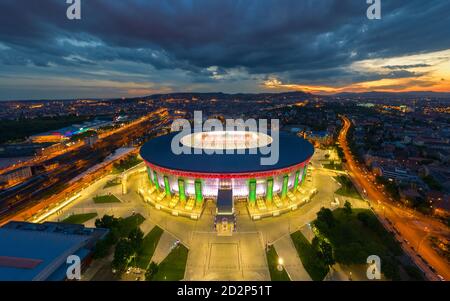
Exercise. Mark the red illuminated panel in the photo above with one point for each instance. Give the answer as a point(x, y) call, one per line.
point(247, 175)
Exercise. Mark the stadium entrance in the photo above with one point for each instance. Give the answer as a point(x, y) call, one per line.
point(225, 220)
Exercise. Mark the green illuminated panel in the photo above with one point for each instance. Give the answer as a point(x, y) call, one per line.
point(181, 189)
point(252, 190)
point(269, 194)
point(198, 191)
point(304, 174)
point(167, 185)
point(297, 174)
point(155, 176)
point(285, 186)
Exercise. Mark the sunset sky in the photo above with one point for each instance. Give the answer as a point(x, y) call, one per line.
point(137, 47)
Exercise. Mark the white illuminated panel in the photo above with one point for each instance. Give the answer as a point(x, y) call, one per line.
point(211, 187)
point(261, 187)
point(190, 187)
point(277, 184)
point(291, 179)
point(240, 188)
point(173, 182)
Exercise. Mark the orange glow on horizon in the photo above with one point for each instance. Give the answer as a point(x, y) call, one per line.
point(424, 72)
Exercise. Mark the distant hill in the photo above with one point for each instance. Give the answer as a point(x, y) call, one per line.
point(376, 94)
point(223, 96)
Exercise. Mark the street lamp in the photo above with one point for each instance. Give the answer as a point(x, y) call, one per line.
point(280, 264)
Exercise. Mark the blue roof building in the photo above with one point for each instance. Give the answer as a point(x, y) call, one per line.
point(38, 252)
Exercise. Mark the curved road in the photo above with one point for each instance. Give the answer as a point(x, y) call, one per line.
point(412, 228)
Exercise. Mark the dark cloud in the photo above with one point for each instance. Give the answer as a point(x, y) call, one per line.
point(399, 67)
point(311, 40)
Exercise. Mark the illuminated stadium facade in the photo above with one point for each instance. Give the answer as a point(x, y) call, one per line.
point(226, 177)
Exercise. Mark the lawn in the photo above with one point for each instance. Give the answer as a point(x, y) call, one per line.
point(347, 188)
point(126, 164)
point(173, 266)
point(333, 166)
point(272, 260)
point(312, 263)
point(111, 183)
point(79, 218)
point(104, 199)
point(148, 247)
point(357, 235)
point(130, 223)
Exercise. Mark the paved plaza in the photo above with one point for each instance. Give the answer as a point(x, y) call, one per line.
point(212, 257)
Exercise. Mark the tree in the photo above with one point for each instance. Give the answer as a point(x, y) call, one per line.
point(325, 250)
point(101, 249)
point(363, 218)
point(136, 237)
point(326, 215)
point(348, 208)
point(151, 271)
point(107, 221)
point(122, 255)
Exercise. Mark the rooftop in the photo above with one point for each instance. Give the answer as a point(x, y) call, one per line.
point(36, 251)
point(293, 151)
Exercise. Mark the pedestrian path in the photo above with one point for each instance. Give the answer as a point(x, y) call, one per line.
point(292, 263)
point(165, 245)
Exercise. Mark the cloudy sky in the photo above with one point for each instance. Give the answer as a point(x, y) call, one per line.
point(139, 47)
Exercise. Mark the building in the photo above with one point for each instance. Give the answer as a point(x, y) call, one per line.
point(67, 132)
point(38, 252)
point(395, 173)
point(233, 172)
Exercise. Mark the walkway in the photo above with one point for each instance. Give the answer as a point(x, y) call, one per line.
point(292, 263)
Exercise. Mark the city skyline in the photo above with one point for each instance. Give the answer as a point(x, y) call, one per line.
point(324, 47)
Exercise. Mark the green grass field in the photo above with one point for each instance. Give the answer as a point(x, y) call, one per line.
point(104, 199)
point(315, 267)
point(172, 268)
point(333, 166)
point(111, 183)
point(272, 260)
point(148, 247)
point(79, 218)
point(358, 235)
point(129, 223)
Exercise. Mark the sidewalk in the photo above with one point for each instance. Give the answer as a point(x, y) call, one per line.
point(292, 263)
point(164, 247)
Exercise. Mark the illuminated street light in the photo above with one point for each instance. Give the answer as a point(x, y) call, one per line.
point(280, 264)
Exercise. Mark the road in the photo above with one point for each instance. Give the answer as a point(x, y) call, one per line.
point(412, 228)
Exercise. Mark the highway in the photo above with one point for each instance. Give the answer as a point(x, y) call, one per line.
point(412, 228)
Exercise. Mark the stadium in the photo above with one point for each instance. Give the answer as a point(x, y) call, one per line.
point(188, 179)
